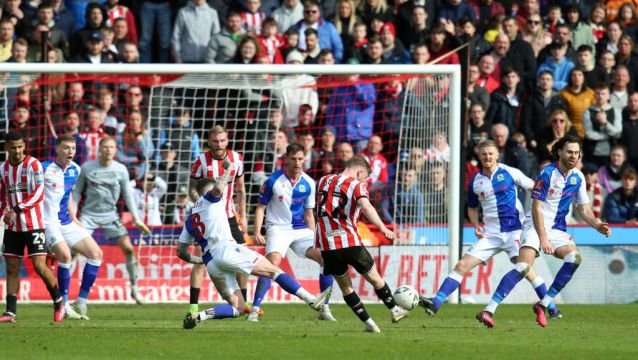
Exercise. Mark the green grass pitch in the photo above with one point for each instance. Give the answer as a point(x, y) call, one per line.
point(293, 332)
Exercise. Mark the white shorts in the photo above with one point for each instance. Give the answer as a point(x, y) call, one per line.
point(558, 238)
point(299, 240)
point(72, 233)
point(492, 244)
point(227, 260)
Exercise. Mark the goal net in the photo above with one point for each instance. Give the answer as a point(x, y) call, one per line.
point(404, 119)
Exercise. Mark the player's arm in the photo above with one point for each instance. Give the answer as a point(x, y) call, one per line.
point(473, 214)
point(36, 196)
point(182, 253)
point(260, 210)
point(72, 211)
point(220, 184)
point(309, 218)
point(371, 214)
point(588, 215)
point(240, 190)
point(539, 225)
point(77, 191)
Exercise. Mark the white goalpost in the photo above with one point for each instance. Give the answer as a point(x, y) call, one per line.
point(263, 107)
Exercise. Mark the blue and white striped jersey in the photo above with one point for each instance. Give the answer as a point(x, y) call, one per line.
point(286, 201)
point(557, 191)
point(58, 186)
point(498, 196)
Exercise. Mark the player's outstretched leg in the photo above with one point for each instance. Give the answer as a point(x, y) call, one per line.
point(354, 302)
point(571, 263)
point(507, 284)
point(41, 268)
point(263, 285)
point(384, 293)
point(234, 299)
point(541, 289)
point(125, 245)
point(196, 279)
point(325, 282)
point(450, 284)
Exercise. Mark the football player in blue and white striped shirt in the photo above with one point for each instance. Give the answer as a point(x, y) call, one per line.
point(545, 227)
point(495, 189)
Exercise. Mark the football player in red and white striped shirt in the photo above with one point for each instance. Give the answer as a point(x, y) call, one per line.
point(340, 201)
point(209, 165)
point(21, 196)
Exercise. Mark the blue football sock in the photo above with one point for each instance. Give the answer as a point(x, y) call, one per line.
point(64, 280)
point(541, 290)
point(263, 285)
point(88, 277)
point(507, 284)
point(562, 278)
point(224, 311)
point(287, 282)
point(325, 282)
point(450, 284)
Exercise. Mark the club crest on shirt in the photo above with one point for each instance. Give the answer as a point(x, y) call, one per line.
point(538, 185)
point(500, 177)
point(572, 181)
point(71, 172)
point(302, 187)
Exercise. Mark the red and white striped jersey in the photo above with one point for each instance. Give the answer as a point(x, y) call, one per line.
point(379, 166)
point(92, 140)
point(205, 166)
point(22, 185)
point(338, 212)
point(251, 23)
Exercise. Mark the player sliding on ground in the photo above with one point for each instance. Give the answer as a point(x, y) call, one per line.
point(223, 257)
point(340, 201)
point(554, 190)
point(288, 199)
point(495, 189)
point(62, 226)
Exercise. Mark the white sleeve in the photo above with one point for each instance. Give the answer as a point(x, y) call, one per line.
point(185, 237)
point(310, 201)
point(521, 179)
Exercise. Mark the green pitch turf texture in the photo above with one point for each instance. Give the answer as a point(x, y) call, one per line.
point(293, 332)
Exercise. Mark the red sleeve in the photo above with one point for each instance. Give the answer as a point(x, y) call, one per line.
point(37, 179)
point(196, 172)
point(383, 176)
point(2, 196)
point(132, 30)
point(278, 58)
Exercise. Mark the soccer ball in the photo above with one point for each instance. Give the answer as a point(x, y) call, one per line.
point(406, 297)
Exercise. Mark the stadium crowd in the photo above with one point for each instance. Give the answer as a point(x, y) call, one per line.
point(539, 70)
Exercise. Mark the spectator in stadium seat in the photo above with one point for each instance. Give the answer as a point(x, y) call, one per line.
point(7, 32)
point(344, 20)
point(116, 11)
point(619, 94)
point(328, 36)
point(34, 54)
point(252, 17)
point(436, 195)
point(509, 153)
point(248, 50)
point(520, 54)
point(351, 111)
point(63, 18)
point(74, 101)
point(95, 20)
point(454, 10)
point(129, 54)
point(602, 125)
point(21, 122)
point(22, 21)
point(297, 90)
point(578, 97)
point(343, 153)
point(105, 104)
point(94, 53)
point(393, 50)
point(582, 33)
point(195, 25)
point(538, 106)
point(485, 80)
point(630, 129)
point(133, 146)
point(378, 178)
point(92, 134)
point(479, 129)
point(355, 52)
point(530, 158)
point(311, 160)
point(374, 51)
point(71, 127)
point(562, 34)
point(271, 41)
point(326, 57)
point(438, 46)
point(404, 15)
point(586, 61)
point(174, 172)
point(222, 46)
point(57, 37)
point(558, 125)
point(181, 135)
point(506, 101)
point(369, 9)
point(148, 194)
point(536, 35)
point(621, 206)
point(557, 64)
point(439, 149)
point(120, 33)
point(409, 205)
point(609, 174)
point(19, 51)
point(109, 49)
point(133, 101)
point(475, 94)
point(327, 143)
point(156, 17)
point(288, 14)
point(467, 33)
point(595, 192)
point(312, 46)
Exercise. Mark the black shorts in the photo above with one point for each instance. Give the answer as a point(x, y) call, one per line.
point(14, 243)
point(236, 231)
point(335, 262)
